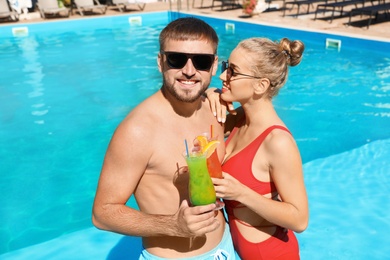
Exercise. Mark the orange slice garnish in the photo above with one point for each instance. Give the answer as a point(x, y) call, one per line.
point(202, 141)
point(210, 148)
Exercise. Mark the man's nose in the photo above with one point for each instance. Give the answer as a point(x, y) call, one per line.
point(189, 68)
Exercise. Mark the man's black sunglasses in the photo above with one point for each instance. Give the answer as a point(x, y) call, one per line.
point(177, 60)
point(230, 72)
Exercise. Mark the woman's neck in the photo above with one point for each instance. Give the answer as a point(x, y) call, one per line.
point(260, 113)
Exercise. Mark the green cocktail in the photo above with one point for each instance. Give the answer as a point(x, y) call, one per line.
point(201, 188)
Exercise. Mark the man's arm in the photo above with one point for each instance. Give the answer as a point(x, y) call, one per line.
point(124, 165)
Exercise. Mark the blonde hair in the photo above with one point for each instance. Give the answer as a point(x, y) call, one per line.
point(271, 59)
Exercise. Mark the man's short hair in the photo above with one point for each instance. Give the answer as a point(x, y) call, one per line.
point(188, 29)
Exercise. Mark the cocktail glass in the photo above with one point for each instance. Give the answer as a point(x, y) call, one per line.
point(213, 163)
point(201, 188)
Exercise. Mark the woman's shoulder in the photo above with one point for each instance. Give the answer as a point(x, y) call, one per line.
point(279, 139)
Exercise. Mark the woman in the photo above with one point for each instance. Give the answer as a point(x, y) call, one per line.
point(263, 186)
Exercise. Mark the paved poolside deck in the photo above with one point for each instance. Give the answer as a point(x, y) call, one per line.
point(378, 29)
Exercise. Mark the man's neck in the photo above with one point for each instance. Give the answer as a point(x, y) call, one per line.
point(182, 109)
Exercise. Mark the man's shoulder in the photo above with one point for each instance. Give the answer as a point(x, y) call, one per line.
point(147, 108)
point(144, 116)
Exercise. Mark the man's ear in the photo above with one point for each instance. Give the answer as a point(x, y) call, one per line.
point(262, 86)
point(159, 62)
point(215, 66)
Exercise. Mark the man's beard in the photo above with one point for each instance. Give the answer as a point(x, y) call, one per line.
point(186, 97)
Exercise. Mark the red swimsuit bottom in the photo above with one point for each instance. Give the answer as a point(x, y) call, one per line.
point(283, 243)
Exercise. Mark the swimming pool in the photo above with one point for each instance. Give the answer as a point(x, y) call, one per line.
point(69, 83)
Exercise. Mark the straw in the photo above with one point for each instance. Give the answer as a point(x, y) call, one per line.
point(211, 131)
point(186, 144)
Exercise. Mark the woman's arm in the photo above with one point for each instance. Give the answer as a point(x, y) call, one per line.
point(281, 156)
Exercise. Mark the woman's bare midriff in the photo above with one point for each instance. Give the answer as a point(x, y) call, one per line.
point(253, 228)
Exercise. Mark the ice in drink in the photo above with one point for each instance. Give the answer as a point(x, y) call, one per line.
point(201, 188)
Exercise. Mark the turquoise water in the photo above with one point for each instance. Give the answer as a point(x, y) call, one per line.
point(68, 85)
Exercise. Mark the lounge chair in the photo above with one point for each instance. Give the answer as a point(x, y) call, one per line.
point(339, 5)
point(89, 6)
point(266, 6)
point(201, 4)
point(271, 5)
point(226, 4)
point(125, 5)
point(298, 3)
point(6, 12)
point(50, 7)
point(373, 10)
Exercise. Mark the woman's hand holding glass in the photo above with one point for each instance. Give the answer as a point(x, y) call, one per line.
point(228, 187)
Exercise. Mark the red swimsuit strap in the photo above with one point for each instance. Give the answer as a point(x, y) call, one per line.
point(255, 144)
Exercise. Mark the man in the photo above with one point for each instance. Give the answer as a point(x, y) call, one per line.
point(145, 156)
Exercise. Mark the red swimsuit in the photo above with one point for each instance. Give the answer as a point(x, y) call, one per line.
point(283, 243)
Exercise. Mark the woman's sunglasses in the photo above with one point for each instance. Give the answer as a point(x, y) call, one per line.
point(230, 72)
point(177, 60)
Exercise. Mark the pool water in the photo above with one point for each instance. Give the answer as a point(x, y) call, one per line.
point(68, 84)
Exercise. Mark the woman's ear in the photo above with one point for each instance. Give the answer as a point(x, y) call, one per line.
point(262, 86)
